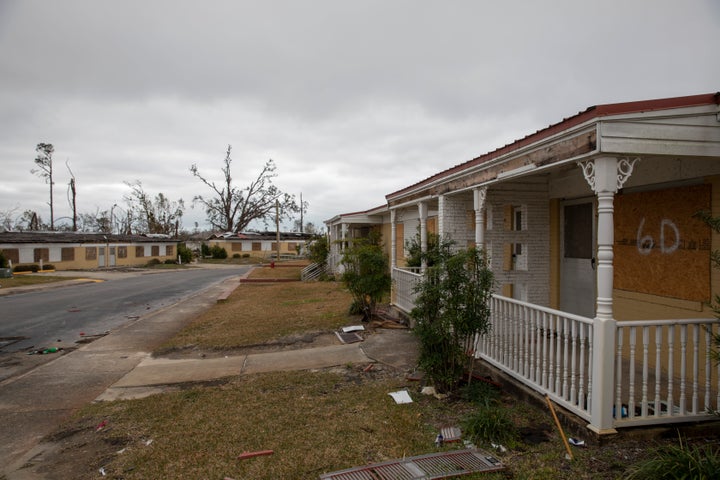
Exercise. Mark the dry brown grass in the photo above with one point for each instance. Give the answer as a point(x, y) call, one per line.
point(258, 313)
point(30, 279)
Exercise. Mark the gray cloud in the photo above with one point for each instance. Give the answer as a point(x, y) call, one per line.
point(352, 100)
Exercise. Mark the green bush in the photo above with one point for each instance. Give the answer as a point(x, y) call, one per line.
point(152, 262)
point(236, 255)
point(170, 262)
point(3, 261)
point(217, 252)
point(245, 255)
point(367, 274)
point(185, 254)
point(48, 266)
point(480, 393)
point(205, 250)
point(27, 268)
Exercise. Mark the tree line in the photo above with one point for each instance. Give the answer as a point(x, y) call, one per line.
point(228, 206)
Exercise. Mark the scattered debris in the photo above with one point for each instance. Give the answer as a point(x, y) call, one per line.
point(368, 368)
point(451, 434)
point(401, 396)
point(148, 442)
point(259, 453)
point(44, 351)
point(434, 465)
point(569, 455)
point(439, 440)
point(102, 471)
point(353, 328)
point(349, 337)
point(415, 376)
point(433, 392)
point(498, 447)
point(576, 442)
point(101, 425)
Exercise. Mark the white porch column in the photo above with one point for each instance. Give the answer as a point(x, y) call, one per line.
point(393, 240)
point(605, 175)
point(423, 213)
point(441, 216)
point(343, 236)
point(479, 195)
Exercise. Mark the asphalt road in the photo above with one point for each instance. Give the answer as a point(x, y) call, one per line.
point(38, 399)
point(61, 317)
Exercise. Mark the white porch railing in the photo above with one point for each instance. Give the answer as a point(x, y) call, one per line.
point(546, 349)
point(405, 280)
point(663, 371)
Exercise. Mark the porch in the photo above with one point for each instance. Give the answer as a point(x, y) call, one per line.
point(661, 370)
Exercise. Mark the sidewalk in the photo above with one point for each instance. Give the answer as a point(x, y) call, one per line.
point(396, 348)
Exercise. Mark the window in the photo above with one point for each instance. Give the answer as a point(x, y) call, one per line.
point(12, 255)
point(256, 246)
point(139, 251)
point(90, 253)
point(169, 250)
point(155, 251)
point(236, 246)
point(41, 255)
point(67, 254)
point(122, 252)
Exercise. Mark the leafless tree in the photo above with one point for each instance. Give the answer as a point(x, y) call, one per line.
point(232, 209)
point(154, 215)
point(45, 170)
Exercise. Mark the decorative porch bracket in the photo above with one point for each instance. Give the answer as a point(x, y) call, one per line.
point(605, 175)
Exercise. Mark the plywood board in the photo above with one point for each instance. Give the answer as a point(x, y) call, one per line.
point(660, 248)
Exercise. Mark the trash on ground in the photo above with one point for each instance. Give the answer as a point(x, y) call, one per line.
point(258, 453)
point(498, 447)
point(101, 425)
point(401, 396)
point(102, 471)
point(44, 351)
point(575, 442)
point(451, 434)
point(439, 440)
point(415, 376)
point(433, 392)
point(368, 368)
point(148, 442)
point(349, 337)
point(353, 328)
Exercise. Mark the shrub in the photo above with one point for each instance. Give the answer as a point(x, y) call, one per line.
point(318, 250)
point(490, 423)
point(367, 275)
point(453, 303)
point(678, 462)
point(48, 266)
point(236, 255)
point(205, 250)
point(26, 268)
point(185, 254)
point(245, 255)
point(170, 262)
point(480, 393)
point(3, 260)
point(152, 262)
point(217, 252)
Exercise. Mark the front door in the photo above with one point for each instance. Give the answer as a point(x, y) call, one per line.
point(577, 270)
point(101, 257)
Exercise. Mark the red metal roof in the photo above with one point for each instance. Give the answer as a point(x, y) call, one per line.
point(590, 113)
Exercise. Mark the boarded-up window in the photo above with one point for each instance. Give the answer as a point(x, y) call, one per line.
point(292, 247)
point(139, 251)
point(155, 250)
point(578, 231)
point(41, 254)
point(12, 255)
point(67, 254)
point(170, 250)
point(660, 248)
point(236, 247)
point(256, 246)
point(122, 252)
point(90, 253)
point(400, 241)
point(273, 246)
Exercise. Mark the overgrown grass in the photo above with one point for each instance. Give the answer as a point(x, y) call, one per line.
point(676, 462)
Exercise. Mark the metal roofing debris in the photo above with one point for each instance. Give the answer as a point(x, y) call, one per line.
point(423, 467)
point(349, 337)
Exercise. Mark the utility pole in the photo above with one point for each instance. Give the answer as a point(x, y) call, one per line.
point(277, 228)
point(301, 213)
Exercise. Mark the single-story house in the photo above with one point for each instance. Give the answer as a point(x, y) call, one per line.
point(603, 270)
point(261, 244)
point(79, 250)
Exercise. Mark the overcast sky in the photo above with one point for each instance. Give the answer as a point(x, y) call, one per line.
point(351, 99)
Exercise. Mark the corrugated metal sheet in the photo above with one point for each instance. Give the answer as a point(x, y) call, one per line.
point(423, 467)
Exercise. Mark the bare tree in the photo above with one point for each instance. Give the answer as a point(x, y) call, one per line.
point(154, 215)
point(72, 194)
point(98, 222)
point(9, 218)
point(232, 209)
point(45, 170)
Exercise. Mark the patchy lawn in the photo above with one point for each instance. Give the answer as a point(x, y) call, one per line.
point(313, 421)
point(30, 279)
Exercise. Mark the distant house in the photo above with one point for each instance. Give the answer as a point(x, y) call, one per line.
point(261, 244)
point(603, 272)
point(76, 250)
